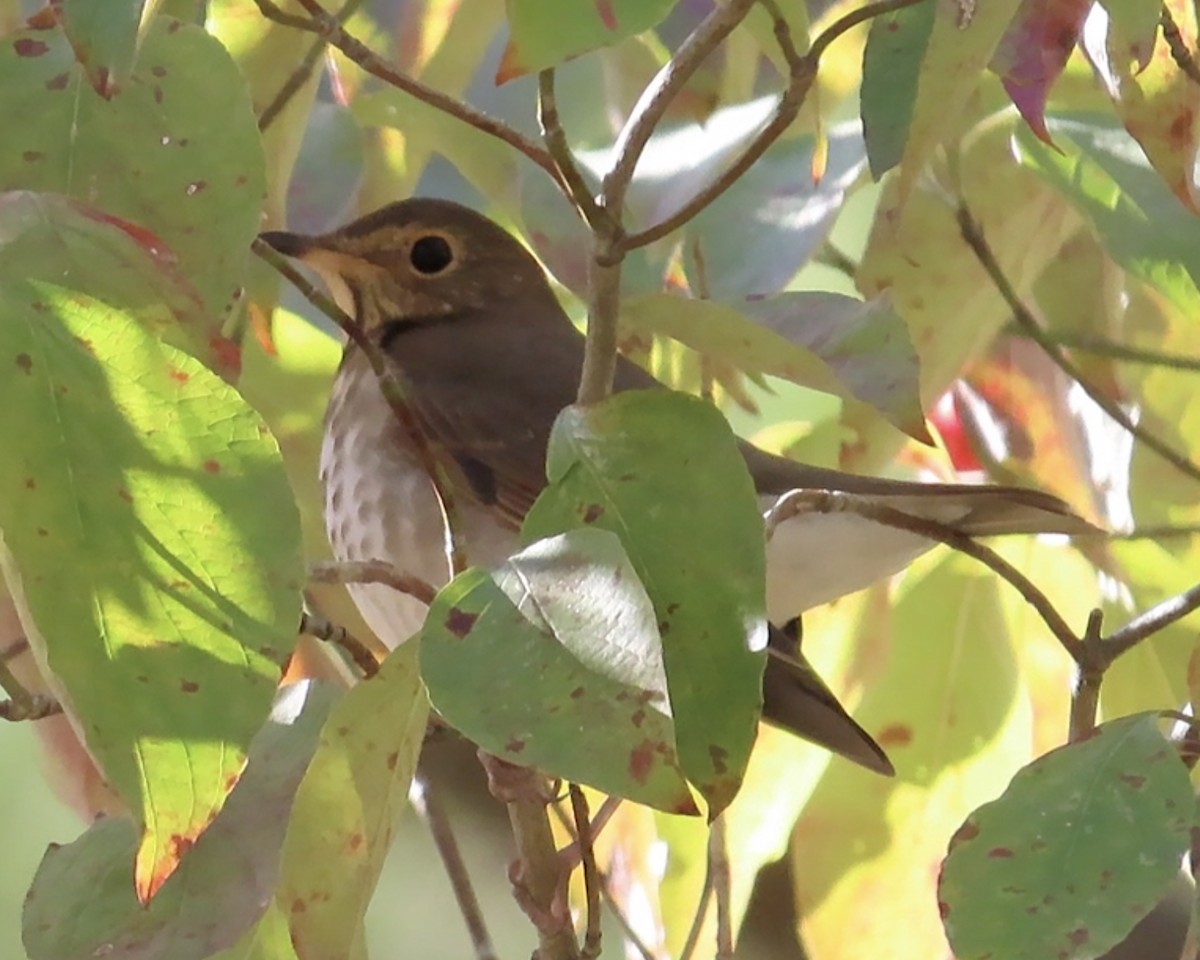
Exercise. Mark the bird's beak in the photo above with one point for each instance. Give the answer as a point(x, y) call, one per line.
point(289, 244)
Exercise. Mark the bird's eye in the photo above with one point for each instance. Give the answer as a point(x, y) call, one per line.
point(431, 255)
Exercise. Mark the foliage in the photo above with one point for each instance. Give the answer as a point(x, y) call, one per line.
point(987, 211)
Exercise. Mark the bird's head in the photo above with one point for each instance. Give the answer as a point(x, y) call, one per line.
point(418, 260)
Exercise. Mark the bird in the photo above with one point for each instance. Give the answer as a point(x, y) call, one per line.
point(489, 358)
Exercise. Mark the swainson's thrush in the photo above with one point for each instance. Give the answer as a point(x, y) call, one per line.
point(489, 359)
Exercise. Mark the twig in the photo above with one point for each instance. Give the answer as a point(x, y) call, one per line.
point(555, 138)
point(600, 348)
point(323, 24)
point(1150, 622)
point(1085, 698)
point(423, 796)
point(38, 707)
point(372, 571)
point(829, 501)
point(718, 857)
point(651, 106)
point(1103, 347)
point(394, 392)
point(803, 74)
point(539, 884)
point(319, 626)
point(591, 875)
point(783, 34)
point(1178, 46)
point(23, 705)
point(973, 236)
point(303, 71)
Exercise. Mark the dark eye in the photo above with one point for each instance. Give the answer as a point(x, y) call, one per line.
point(430, 255)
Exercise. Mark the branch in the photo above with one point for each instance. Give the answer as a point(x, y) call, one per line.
point(539, 883)
point(1085, 698)
point(319, 626)
point(718, 858)
point(804, 72)
point(829, 501)
point(1149, 623)
point(324, 25)
point(973, 236)
point(372, 571)
point(424, 798)
point(569, 174)
point(1102, 347)
point(394, 392)
point(22, 704)
point(301, 74)
point(1178, 46)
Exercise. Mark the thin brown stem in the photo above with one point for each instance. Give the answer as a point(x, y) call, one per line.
point(324, 25)
point(697, 927)
point(972, 235)
point(570, 175)
point(426, 800)
point(1151, 622)
point(22, 705)
point(600, 349)
point(783, 34)
point(394, 392)
point(1183, 57)
point(828, 501)
point(372, 571)
point(1102, 347)
point(317, 625)
point(591, 875)
point(304, 70)
point(37, 707)
point(803, 74)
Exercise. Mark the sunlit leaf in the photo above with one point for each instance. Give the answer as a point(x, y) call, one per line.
point(190, 169)
point(149, 473)
point(1080, 846)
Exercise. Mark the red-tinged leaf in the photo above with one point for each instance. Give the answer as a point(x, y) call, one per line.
point(1159, 104)
point(1133, 30)
point(546, 34)
point(1034, 52)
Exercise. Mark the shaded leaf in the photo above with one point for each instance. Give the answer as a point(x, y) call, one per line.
point(147, 471)
point(891, 66)
point(346, 808)
point(555, 661)
point(104, 38)
point(1106, 175)
point(1081, 845)
point(754, 238)
point(824, 341)
point(187, 168)
point(82, 901)
point(662, 471)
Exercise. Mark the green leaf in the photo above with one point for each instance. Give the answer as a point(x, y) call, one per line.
point(188, 168)
point(165, 596)
point(544, 35)
point(82, 901)
point(1104, 173)
point(62, 241)
point(662, 471)
point(104, 37)
point(891, 65)
point(346, 808)
point(554, 661)
point(1080, 847)
point(825, 341)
